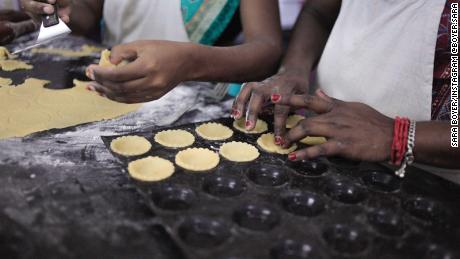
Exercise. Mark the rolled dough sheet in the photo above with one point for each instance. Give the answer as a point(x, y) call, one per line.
point(151, 169)
point(239, 152)
point(30, 108)
point(174, 138)
point(4, 82)
point(214, 131)
point(261, 126)
point(197, 159)
point(7, 62)
point(267, 143)
point(86, 50)
point(130, 145)
point(312, 141)
point(293, 120)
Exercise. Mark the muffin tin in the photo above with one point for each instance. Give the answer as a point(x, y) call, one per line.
point(325, 208)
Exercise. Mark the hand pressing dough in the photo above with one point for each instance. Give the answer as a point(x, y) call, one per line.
point(4, 82)
point(293, 120)
point(174, 138)
point(312, 141)
point(33, 108)
point(151, 169)
point(130, 145)
point(197, 159)
point(239, 152)
point(261, 126)
point(267, 143)
point(86, 50)
point(214, 131)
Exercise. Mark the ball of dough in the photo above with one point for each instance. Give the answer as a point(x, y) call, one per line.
point(312, 141)
point(267, 143)
point(261, 126)
point(293, 120)
point(175, 138)
point(239, 152)
point(214, 131)
point(130, 145)
point(151, 169)
point(197, 159)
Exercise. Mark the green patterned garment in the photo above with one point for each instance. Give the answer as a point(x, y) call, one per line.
point(206, 20)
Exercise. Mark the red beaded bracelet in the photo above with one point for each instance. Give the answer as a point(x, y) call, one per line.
point(400, 137)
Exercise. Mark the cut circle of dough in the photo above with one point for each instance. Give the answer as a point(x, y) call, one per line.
point(130, 145)
point(214, 131)
point(239, 151)
point(312, 141)
point(151, 169)
point(175, 138)
point(261, 126)
point(267, 143)
point(293, 120)
point(197, 159)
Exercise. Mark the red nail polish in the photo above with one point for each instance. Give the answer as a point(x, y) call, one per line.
point(248, 124)
point(278, 140)
point(292, 156)
point(88, 88)
point(275, 98)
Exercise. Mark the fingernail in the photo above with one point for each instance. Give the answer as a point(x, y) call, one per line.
point(248, 124)
point(276, 98)
point(90, 73)
point(278, 140)
point(48, 9)
point(90, 88)
point(292, 156)
point(235, 113)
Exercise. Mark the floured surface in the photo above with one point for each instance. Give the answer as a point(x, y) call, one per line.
point(261, 126)
point(33, 108)
point(130, 145)
point(151, 169)
point(174, 138)
point(86, 50)
point(197, 159)
point(267, 143)
point(239, 151)
point(214, 131)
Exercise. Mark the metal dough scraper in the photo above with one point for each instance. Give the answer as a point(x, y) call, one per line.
point(52, 28)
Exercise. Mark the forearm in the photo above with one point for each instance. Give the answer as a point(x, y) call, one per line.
point(432, 145)
point(86, 16)
point(310, 34)
point(248, 62)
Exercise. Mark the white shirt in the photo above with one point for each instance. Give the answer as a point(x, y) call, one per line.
point(127, 21)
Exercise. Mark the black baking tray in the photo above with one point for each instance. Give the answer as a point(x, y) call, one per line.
point(325, 208)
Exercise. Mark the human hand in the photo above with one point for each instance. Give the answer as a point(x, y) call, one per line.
point(154, 68)
point(353, 130)
point(37, 8)
point(254, 95)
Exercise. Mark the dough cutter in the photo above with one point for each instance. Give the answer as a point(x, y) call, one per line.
point(52, 27)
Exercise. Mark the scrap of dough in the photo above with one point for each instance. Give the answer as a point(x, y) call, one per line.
point(261, 126)
point(293, 120)
point(214, 131)
point(174, 138)
point(130, 145)
point(86, 50)
point(4, 82)
point(55, 108)
point(105, 60)
point(5, 54)
point(312, 141)
point(12, 65)
point(150, 169)
point(267, 143)
point(197, 159)
point(239, 152)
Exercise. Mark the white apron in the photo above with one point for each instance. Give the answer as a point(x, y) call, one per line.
point(127, 21)
point(381, 52)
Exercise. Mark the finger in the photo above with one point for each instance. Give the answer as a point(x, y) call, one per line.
point(255, 105)
point(130, 71)
point(321, 94)
point(137, 97)
point(311, 102)
point(308, 127)
point(123, 52)
point(281, 114)
point(35, 7)
point(241, 100)
point(127, 87)
point(100, 89)
point(330, 148)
